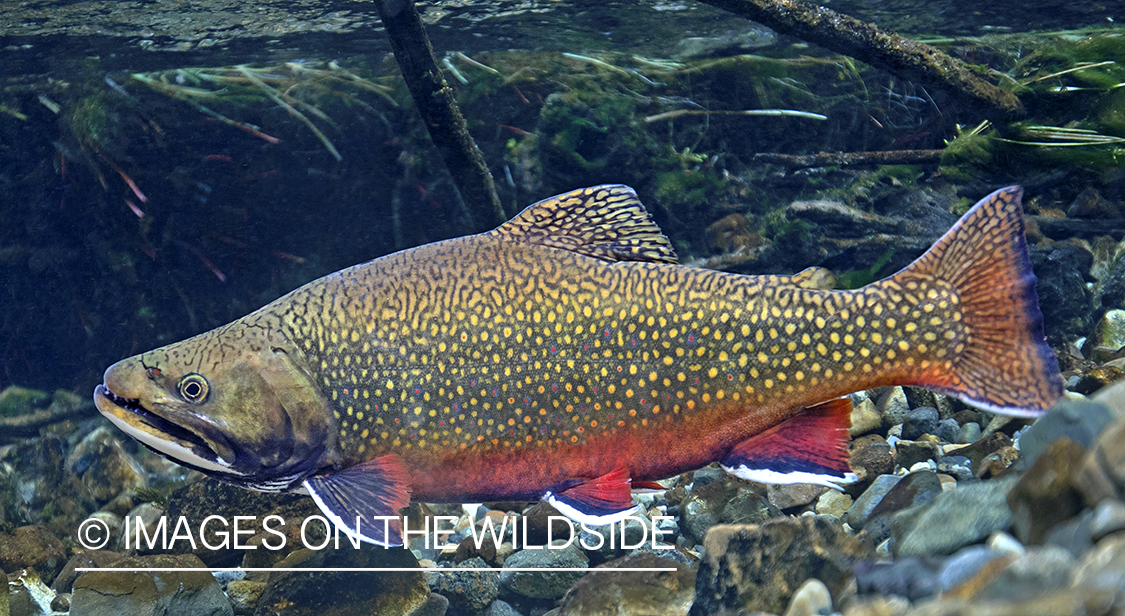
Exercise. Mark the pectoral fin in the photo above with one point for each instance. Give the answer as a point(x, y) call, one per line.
point(809, 447)
point(596, 502)
point(368, 491)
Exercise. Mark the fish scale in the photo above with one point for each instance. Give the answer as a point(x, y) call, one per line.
point(567, 351)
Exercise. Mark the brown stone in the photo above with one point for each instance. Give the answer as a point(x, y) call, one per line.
point(997, 463)
point(758, 567)
point(1045, 495)
point(630, 593)
point(870, 457)
point(92, 558)
point(344, 593)
point(32, 547)
point(150, 593)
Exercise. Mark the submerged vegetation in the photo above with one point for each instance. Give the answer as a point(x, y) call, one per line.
point(147, 206)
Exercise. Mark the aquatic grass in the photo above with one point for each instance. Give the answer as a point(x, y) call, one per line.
point(244, 85)
point(1057, 137)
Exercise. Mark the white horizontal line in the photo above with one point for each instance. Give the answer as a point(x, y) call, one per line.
point(373, 569)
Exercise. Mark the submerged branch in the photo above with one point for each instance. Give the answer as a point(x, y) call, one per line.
point(434, 100)
point(883, 49)
point(843, 159)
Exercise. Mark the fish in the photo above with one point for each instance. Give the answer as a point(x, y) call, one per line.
point(566, 355)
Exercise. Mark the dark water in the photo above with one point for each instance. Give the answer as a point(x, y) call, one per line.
point(229, 220)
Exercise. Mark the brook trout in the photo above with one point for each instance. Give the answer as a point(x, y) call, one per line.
point(566, 353)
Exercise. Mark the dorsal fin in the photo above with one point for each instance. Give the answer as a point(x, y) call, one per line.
point(605, 222)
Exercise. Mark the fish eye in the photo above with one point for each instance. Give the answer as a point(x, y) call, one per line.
point(194, 389)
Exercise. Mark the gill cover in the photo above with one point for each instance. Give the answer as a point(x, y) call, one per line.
point(238, 403)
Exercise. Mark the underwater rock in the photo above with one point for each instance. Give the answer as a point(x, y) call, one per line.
point(628, 593)
point(833, 503)
point(104, 466)
point(500, 608)
point(727, 501)
point(1078, 419)
point(1102, 474)
point(93, 558)
point(870, 457)
point(21, 414)
point(211, 497)
point(1061, 272)
point(1109, 517)
point(919, 421)
point(537, 585)
point(789, 495)
point(185, 593)
point(727, 44)
point(811, 599)
point(911, 577)
point(344, 593)
point(953, 519)
point(759, 567)
point(1045, 496)
point(863, 506)
point(538, 516)
point(914, 489)
point(32, 547)
point(1040, 570)
point(892, 405)
point(245, 595)
point(1097, 378)
point(1104, 566)
point(908, 453)
point(466, 588)
point(865, 418)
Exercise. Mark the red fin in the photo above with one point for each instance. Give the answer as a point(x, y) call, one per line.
point(809, 447)
point(377, 487)
point(1006, 365)
point(599, 501)
point(639, 486)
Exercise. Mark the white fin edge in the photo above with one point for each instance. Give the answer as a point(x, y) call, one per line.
point(339, 523)
point(585, 518)
point(762, 475)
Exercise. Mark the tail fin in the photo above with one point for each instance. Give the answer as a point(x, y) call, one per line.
point(1006, 365)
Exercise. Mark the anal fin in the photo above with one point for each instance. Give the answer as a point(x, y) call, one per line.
point(369, 490)
point(596, 502)
point(809, 447)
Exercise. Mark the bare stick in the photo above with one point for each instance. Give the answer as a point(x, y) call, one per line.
point(883, 49)
point(434, 99)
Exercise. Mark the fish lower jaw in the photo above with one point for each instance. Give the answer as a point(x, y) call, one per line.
point(136, 421)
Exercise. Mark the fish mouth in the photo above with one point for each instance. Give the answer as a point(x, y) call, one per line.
point(167, 438)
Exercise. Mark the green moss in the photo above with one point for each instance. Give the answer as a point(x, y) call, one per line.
point(153, 495)
point(968, 157)
point(855, 279)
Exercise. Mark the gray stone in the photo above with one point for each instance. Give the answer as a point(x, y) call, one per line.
point(1104, 566)
point(892, 406)
point(811, 599)
point(501, 608)
point(1041, 569)
point(436, 605)
point(947, 430)
point(538, 585)
point(956, 466)
point(466, 588)
point(968, 433)
point(1102, 474)
point(104, 466)
point(866, 503)
point(966, 564)
point(1109, 517)
point(185, 593)
point(914, 489)
point(953, 519)
point(1073, 535)
point(919, 421)
point(913, 578)
point(1078, 419)
point(833, 502)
